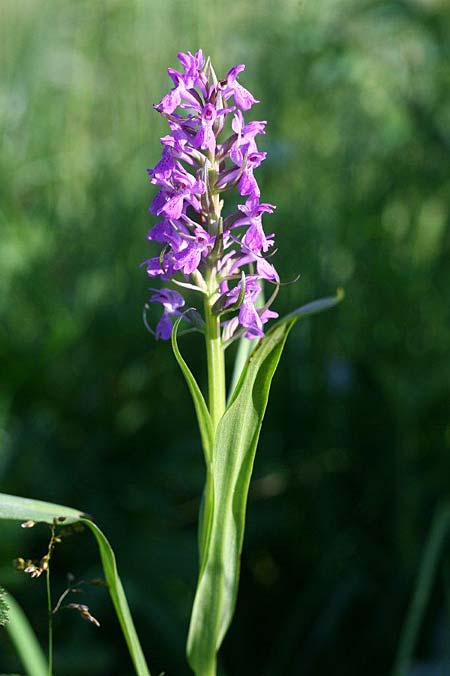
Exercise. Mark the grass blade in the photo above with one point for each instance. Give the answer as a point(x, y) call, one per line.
point(424, 584)
point(24, 640)
point(22, 509)
point(14, 508)
point(119, 599)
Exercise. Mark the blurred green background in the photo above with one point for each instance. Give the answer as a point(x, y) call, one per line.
point(355, 452)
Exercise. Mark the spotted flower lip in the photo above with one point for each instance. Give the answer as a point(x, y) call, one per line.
point(224, 258)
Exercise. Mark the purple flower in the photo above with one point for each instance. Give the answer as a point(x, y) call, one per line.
point(189, 256)
point(165, 167)
point(193, 65)
point(171, 300)
point(245, 141)
point(226, 259)
point(170, 101)
point(182, 187)
point(166, 233)
point(250, 320)
point(242, 96)
point(205, 137)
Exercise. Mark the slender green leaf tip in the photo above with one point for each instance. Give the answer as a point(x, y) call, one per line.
point(201, 409)
point(315, 306)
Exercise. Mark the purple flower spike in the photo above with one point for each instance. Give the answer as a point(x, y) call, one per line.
point(226, 259)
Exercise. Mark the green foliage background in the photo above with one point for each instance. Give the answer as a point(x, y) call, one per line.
point(354, 456)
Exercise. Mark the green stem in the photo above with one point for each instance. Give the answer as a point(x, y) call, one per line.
point(215, 360)
point(210, 670)
point(216, 365)
point(50, 623)
point(214, 350)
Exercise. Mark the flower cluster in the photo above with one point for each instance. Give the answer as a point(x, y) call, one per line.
point(224, 258)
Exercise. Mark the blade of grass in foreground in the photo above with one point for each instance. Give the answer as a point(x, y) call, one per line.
point(22, 509)
point(424, 584)
point(25, 641)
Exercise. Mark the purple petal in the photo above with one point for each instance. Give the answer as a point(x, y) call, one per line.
point(158, 202)
point(254, 238)
point(266, 270)
point(173, 208)
point(248, 185)
point(234, 72)
point(163, 170)
point(164, 327)
point(153, 267)
point(169, 102)
point(170, 299)
point(251, 320)
point(243, 98)
point(189, 259)
point(268, 314)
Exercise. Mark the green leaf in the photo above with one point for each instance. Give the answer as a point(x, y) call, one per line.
point(243, 351)
point(315, 307)
point(25, 641)
point(23, 509)
point(201, 409)
point(223, 519)
point(233, 455)
point(119, 599)
point(206, 433)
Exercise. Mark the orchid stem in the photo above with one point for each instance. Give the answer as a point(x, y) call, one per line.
point(214, 349)
point(215, 364)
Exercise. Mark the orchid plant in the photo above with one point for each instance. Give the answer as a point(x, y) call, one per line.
point(224, 260)
point(220, 255)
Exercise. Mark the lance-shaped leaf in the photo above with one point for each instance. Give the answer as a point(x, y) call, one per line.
point(233, 455)
point(206, 433)
point(315, 307)
point(23, 509)
point(201, 409)
point(234, 448)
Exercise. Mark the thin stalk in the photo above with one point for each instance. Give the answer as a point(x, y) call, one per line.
point(214, 350)
point(215, 361)
point(215, 364)
point(50, 623)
